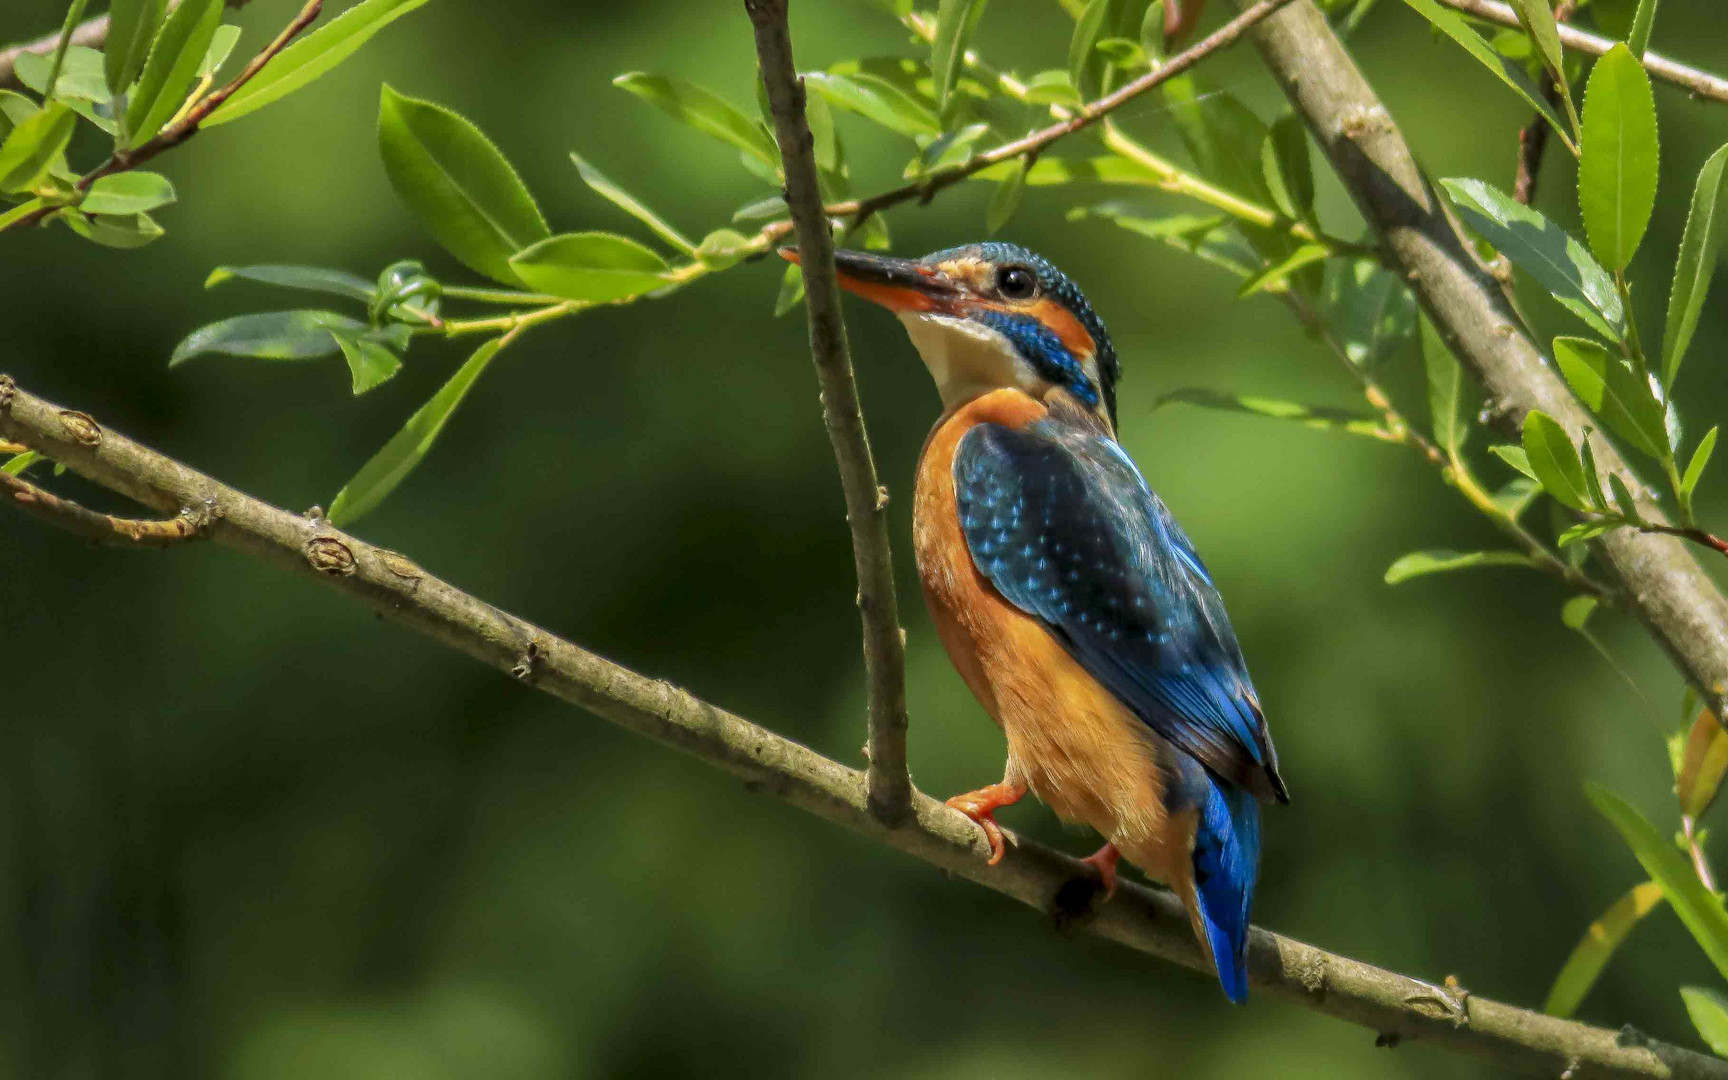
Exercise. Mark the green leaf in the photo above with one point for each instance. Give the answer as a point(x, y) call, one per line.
point(271, 335)
point(1545, 251)
point(594, 266)
point(17, 463)
point(1576, 612)
point(221, 47)
point(80, 77)
point(131, 27)
point(1275, 278)
point(1515, 457)
point(32, 146)
point(1289, 173)
point(1623, 500)
point(370, 363)
point(172, 67)
point(1537, 18)
point(703, 110)
point(1087, 30)
point(1700, 458)
point(390, 465)
point(128, 193)
point(723, 248)
point(1598, 944)
point(1048, 171)
point(626, 202)
point(123, 231)
point(1006, 199)
point(1617, 160)
point(1586, 530)
point(956, 20)
point(1319, 417)
point(791, 291)
point(1445, 389)
point(1638, 37)
point(312, 56)
point(1052, 87)
point(1699, 908)
point(1453, 26)
point(1518, 494)
point(1708, 1009)
point(1222, 134)
point(457, 183)
point(1703, 761)
point(1371, 312)
point(1614, 392)
point(875, 99)
point(311, 278)
point(1699, 245)
point(1418, 563)
point(1554, 461)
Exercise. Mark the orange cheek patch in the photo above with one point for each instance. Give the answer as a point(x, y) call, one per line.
point(1065, 326)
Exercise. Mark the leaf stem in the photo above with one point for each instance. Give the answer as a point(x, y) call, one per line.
point(497, 296)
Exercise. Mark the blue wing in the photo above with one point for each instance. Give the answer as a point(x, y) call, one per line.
point(1062, 524)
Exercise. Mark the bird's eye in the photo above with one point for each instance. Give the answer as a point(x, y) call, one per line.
point(1016, 283)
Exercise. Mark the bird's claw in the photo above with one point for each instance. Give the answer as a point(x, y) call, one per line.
point(981, 807)
point(1104, 861)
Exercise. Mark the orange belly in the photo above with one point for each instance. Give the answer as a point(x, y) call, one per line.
point(1070, 740)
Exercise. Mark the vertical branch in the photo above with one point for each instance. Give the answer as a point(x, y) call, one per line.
point(884, 646)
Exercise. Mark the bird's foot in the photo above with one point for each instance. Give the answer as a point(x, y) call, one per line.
point(1104, 861)
point(981, 807)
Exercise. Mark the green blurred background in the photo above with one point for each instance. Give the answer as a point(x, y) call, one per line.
point(251, 831)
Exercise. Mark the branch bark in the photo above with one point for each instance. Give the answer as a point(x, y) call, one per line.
point(1660, 582)
point(1700, 83)
point(890, 784)
point(1396, 1007)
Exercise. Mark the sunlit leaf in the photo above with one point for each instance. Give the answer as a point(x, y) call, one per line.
point(1700, 458)
point(1515, 457)
point(311, 278)
point(1593, 951)
point(1643, 21)
point(1052, 88)
point(1289, 172)
point(1585, 530)
point(875, 99)
point(1702, 764)
point(1046, 171)
point(1319, 417)
point(122, 231)
point(594, 266)
point(458, 184)
point(1617, 159)
point(1614, 392)
point(1222, 134)
point(1275, 278)
point(172, 67)
point(128, 193)
point(1537, 18)
point(32, 145)
point(1453, 26)
point(791, 291)
point(312, 56)
point(1706, 222)
point(1623, 500)
point(1087, 29)
point(17, 463)
point(1554, 461)
point(1445, 391)
point(628, 203)
point(390, 465)
point(271, 335)
point(956, 20)
point(131, 27)
point(1006, 199)
point(703, 110)
point(221, 47)
point(81, 75)
point(1418, 563)
point(1544, 251)
point(1699, 908)
point(722, 248)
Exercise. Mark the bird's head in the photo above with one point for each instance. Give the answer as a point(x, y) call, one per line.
point(993, 315)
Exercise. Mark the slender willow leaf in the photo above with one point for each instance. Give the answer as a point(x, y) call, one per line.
point(32, 146)
point(703, 110)
point(1224, 136)
point(875, 99)
point(1276, 278)
point(1537, 19)
point(370, 363)
point(80, 77)
point(1545, 251)
point(1705, 224)
point(128, 193)
point(1617, 161)
point(1554, 461)
point(311, 278)
point(312, 56)
point(1453, 26)
point(1623, 500)
point(1585, 530)
point(122, 231)
point(457, 183)
point(1638, 37)
point(1054, 170)
point(172, 67)
point(1593, 951)
point(1318, 417)
point(593, 266)
point(390, 465)
point(1418, 563)
point(1699, 908)
point(1289, 172)
point(17, 463)
point(956, 20)
point(1445, 390)
point(1703, 762)
point(1709, 1012)
point(1087, 29)
point(131, 27)
point(272, 335)
point(221, 46)
point(628, 203)
point(1700, 458)
point(1614, 392)
point(791, 291)
point(1006, 199)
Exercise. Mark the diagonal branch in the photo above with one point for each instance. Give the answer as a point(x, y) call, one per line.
point(1661, 583)
point(1700, 83)
point(102, 528)
point(866, 500)
point(1396, 1007)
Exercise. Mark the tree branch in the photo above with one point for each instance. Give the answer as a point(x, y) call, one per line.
point(1660, 581)
point(1700, 83)
point(1152, 921)
point(103, 528)
point(866, 500)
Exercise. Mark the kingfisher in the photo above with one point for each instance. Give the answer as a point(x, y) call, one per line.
point(1072, 604)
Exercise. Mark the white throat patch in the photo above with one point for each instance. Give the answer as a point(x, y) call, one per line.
point(968, 359)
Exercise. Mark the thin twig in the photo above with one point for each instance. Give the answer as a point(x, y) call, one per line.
point(1533, 136)
point(866, 499)
point(1700, 83)
point(1696, 535)
point(103, 528)
point(1395, 1006)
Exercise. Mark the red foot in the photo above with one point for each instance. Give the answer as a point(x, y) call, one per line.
point(1104, 861)
point(981, 806)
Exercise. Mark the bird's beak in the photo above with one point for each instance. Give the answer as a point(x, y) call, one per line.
point(897, 284)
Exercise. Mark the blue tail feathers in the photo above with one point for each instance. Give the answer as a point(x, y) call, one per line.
point(1226, 862)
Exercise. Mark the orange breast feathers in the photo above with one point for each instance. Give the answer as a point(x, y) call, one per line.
point(1069, 739)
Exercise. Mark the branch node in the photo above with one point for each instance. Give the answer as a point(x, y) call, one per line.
point(8, 391)
point(528, 663)
point(398, 564)
point(328, 555)
point(80, 428)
